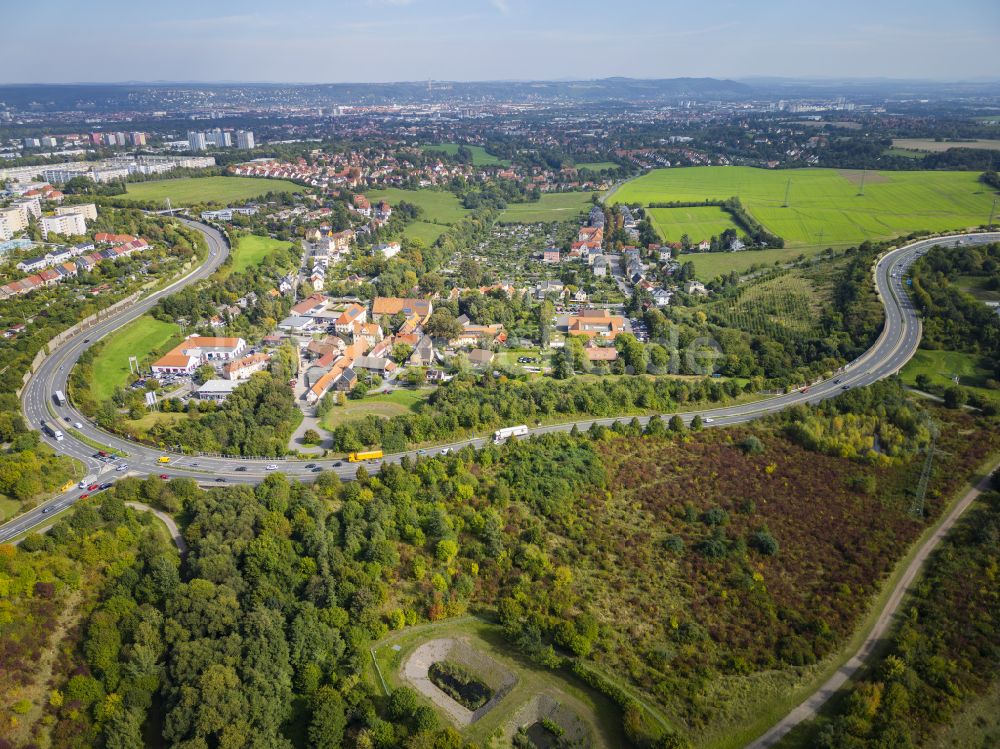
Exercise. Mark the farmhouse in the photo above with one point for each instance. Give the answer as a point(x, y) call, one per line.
point(390, 305)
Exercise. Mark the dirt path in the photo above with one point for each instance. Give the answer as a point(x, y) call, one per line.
point(168, 521)
point(808, 709)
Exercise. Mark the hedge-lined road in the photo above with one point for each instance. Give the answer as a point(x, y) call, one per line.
point(897, 342)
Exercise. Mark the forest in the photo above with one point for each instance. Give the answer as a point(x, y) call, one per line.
point(259, 635)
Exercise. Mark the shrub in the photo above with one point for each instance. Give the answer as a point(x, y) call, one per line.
point(751, 445)
point(764, 542)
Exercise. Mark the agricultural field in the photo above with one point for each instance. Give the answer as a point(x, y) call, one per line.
point(480, 156)
point(825, 207)
point(384, 405)
point(708, 265)
point(141, 339)
point(698, 223)
point(196, 190)
point(439, 206)
point(776, 307)
point(555, 206)
point(929, 145)
point(251, 249)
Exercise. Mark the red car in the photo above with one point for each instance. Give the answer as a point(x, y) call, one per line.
point(164, 476)
point(92, 487)
point(84, 496)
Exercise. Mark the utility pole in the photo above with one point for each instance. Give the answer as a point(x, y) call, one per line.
point(993, 211)
point(864, 174)
point(788, 189)
point(170, 210)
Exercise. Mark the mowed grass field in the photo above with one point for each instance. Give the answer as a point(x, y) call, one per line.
point(385, 405)
point(480, 156)
point(941, 366)
point(556, 206)
point(825, 207)
point(251, 249)
point(597, 166)
point(193, 190)
point(698, 223)
point(438, 205)
point(139, 338)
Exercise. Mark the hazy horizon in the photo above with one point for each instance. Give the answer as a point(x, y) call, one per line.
point(388, 41)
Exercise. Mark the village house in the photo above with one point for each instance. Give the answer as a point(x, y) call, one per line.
point(241, 369)
point(595, 323)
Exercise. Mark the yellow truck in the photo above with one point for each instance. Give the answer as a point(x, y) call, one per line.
point(364, 455)
point(163, 459)
point(67, 486)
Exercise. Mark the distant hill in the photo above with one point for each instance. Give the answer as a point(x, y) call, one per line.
point(149, 97)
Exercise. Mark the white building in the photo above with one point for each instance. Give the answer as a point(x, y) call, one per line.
point(196, 141)
point(244, 140)
point(87, 210)
point(73, 223)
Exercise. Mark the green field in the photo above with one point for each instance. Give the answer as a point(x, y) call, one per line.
point(385, 405)
point(554, 206)
point(698, 223)
point(221, 190)
point(425, 231)
point(978, 286)
point(942, 366)
point(438, 205)
point(598, 166)
point(825, 207)
point(139, 338)
point(251, 249)
point(480, 156)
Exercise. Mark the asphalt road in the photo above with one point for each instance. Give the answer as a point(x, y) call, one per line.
point(897, 342)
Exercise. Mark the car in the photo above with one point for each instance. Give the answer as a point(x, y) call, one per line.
point(220, 480)
point(338, 464)
point(82, 485)
point(84, 496)
point(317, 469)
point(421, 451)
point(77, 425)
point(92, 487)
point(709, 420)
point(122, 467)
point(46, 510)
point(310, 465)
point(271, 467)
point(164, 476)
point(837, 381)
point(86, 340)
point(69, 419)
point(105, 485)
point(845, 387)
point(193, 464)
point(103, 453)
point(241, 469)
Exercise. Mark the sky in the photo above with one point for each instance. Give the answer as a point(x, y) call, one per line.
point(327, 41)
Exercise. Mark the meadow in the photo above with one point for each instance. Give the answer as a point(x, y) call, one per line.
point(438, 206)
point(555, 206)
point(194, 190)
point(825, 206)
point(140, 338)
point(480, 156)
point(941, 366)
point(936, 146)
point(699, 223)
point(251, 249)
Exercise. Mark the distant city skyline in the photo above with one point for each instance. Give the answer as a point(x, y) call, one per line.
point(312, 41)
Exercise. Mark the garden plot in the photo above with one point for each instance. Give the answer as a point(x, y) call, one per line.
point(461, 672)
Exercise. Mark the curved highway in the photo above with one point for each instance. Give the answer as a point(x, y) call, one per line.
point(897, 342)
